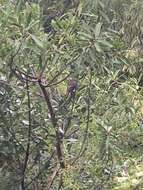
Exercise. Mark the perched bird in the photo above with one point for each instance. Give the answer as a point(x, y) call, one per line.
point(72, 87)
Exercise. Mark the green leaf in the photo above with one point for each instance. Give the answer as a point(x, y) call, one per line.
point(37, 41)
point(98, 29)
point(85, 36)
point(98, 47)
point(106, 43)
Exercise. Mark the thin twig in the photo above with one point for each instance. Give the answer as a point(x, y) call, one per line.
point(56, 76)
point(29, 138)
point(53, 176)
point(58, 82)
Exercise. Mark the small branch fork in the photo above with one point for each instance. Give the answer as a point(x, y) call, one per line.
point(27, 78)
point(31, 77)
point(54, 123)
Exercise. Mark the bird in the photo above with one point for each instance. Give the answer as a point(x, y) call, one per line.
point(72, 87)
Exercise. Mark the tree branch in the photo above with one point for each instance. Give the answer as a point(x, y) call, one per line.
point(55, 125)
point(53, 176)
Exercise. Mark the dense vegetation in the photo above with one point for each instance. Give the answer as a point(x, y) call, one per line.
point(71, 95)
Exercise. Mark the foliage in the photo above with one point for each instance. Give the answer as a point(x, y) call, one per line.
point(71, 99)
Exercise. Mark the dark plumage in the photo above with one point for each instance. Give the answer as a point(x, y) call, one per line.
point(72, 87)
